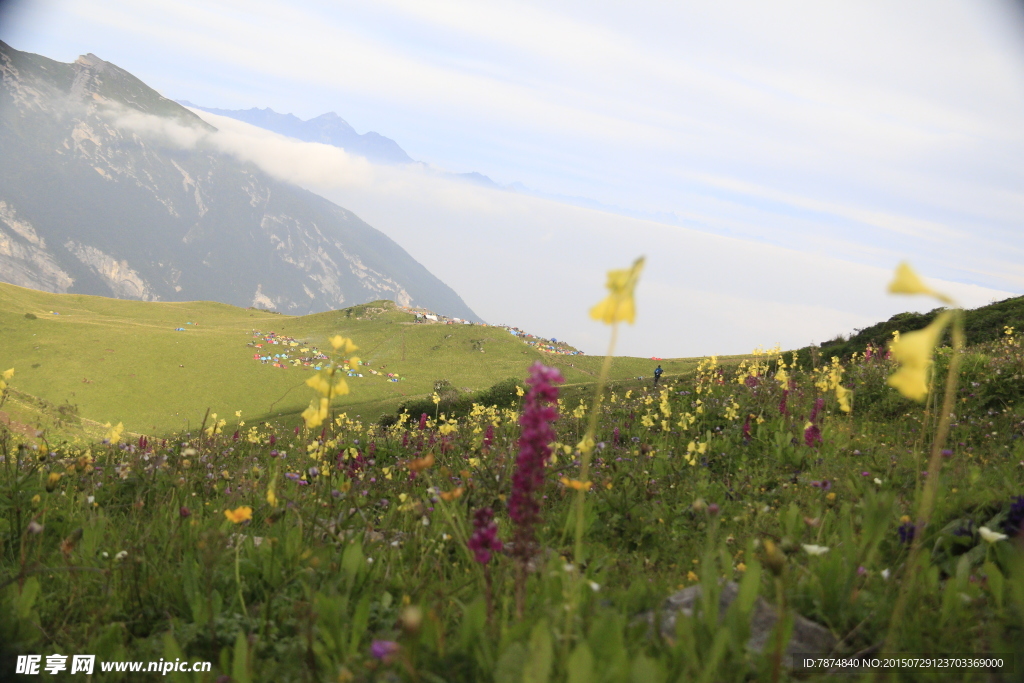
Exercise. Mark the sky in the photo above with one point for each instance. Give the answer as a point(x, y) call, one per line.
point(773, 161)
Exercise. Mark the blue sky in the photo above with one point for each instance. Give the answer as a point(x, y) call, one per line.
point(838, 138)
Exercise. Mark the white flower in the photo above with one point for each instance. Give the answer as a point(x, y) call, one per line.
point(90, 500)
point(425, 521)
point(369, 560)
point(594, 586)
point(886, 574)
point(815, 549)
point(878, 481)
point(120, 556)
point(991, 536)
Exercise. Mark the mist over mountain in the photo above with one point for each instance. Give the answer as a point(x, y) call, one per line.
point(108, 188)
point(328, 128)
point(331, 129)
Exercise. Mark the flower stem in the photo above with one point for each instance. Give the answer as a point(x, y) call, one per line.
point(587, 444)
point(931, 484)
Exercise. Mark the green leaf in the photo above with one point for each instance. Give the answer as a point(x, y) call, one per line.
point(538, 666)
point(996, 583)
point(353, 561)
point(581, 665)
point(24, 601)
point(511, 664)
point(646, 670)
point(240, 669)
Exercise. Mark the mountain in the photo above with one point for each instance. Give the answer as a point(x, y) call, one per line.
point(331, 129)
point(108, 188)
point(327, 128)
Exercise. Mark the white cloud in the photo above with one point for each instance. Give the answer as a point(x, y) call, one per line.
point(849, 135)
point(540, 265)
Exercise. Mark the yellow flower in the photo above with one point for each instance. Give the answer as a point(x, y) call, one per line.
point(315, 414)
point(322, 386)
point(449, 496)
point(692, 576)
point(913, 350)
point(114, 433)
point(271, 494)
point(843, 394)
point(576, 484)
point(420, 464)
point(619, 306)
point(239, 514)
point(51, 481)
point(7, 374)
point(906, 281)
point(343, 343)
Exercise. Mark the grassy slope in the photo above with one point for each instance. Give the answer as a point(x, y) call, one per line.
point(119, 360)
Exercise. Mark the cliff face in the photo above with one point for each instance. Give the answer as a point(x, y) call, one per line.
point(108, 188)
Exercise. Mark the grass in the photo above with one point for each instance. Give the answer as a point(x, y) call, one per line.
point(347, 559)
point(122, 361)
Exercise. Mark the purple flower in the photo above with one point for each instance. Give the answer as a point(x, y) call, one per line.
point(1014, 523)
point(818, 405)
point(812, 435)
point(384, 650)
point(489, 436)
point(423, 421)
point(906, 532)
point(484, 540)
point(782, 404)
point(534, 450)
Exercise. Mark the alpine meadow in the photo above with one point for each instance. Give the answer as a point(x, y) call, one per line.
point(285, 401)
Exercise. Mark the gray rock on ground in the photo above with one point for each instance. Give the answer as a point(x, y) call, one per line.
point(808, 636)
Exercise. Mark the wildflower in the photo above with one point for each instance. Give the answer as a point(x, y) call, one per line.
point(184, 512)
point(576, 484)
point(316, 413)
point(7, 374)
point(271, 493)
point(384, 650)
point(815, 549)
point(1014, 523)
point(906, 532)
point(239, 514)
point(484, 540)
point(534, 450)
point(449, 496)
point(991, 536)
point(342, 344)
point(114, 433)
point(913, 350)
point(843, 396)
point(619, 306)
point(420, 464)
point(812, 434)
point(51, 481)
point(35, 527)
point(692, 576)
point(906, 281)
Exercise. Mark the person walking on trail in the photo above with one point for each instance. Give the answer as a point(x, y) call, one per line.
point(657, 375)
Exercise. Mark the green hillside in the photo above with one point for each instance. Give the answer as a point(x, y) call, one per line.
point(981, 325)
point(115, 360)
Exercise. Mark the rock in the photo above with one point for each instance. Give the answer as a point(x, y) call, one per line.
point(808, 637)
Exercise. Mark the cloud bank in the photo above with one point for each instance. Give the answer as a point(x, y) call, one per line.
point(540, 265)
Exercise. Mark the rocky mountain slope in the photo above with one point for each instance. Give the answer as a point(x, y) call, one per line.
point(108, 188)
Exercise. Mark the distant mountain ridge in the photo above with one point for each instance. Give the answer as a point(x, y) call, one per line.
point(331, 129)
point(327, 128)
point(107, 188)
